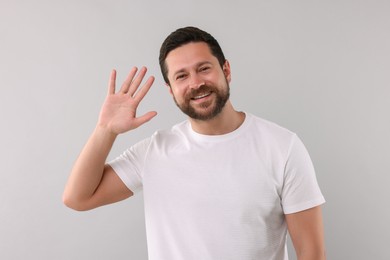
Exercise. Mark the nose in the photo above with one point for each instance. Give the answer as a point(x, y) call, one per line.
point(196, 82)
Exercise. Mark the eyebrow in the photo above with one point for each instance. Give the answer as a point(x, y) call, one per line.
point(199, 64)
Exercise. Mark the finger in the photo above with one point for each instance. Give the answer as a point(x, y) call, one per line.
point(111, 82)
point(145, 118)
point(126, 84)
point(145, 88)
point(137, 81)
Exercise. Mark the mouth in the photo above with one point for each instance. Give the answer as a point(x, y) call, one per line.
point(201, 96)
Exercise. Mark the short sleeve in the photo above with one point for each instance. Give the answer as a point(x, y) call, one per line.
point(300, 188)
point(129, 165)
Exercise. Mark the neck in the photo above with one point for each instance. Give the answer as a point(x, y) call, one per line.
point(225, 122)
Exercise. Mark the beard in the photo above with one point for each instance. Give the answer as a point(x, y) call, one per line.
point(208, 109)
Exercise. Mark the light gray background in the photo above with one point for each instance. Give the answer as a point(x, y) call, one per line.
point(319, 68)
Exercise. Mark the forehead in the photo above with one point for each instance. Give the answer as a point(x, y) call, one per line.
point(188, 55)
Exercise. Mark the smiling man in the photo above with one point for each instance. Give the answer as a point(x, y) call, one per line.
point(201, 89)
point(223, 184)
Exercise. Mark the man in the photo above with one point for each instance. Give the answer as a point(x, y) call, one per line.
point(222, 185)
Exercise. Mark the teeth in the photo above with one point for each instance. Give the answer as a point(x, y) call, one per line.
point(201, 96)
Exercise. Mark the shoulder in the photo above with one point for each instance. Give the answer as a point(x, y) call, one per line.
point(176, 131)
point(170, 138)
point(270, 131)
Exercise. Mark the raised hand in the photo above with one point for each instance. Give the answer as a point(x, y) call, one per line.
point(119, 111)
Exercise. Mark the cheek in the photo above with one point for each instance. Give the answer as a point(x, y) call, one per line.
point(178, 89)
point(177, 93)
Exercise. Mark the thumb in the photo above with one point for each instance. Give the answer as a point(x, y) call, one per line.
point(145, 118)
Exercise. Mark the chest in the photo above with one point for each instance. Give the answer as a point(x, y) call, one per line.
point(240, 176)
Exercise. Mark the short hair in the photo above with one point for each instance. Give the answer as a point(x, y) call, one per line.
point(183, 36)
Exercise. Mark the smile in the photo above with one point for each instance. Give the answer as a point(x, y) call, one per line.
point(201, 96)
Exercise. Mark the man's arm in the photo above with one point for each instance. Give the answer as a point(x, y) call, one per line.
point(307, 233)
point(92, 183)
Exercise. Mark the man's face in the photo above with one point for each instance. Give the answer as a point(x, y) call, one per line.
point(198, 84)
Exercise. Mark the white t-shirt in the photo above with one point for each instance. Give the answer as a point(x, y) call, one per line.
point(220, 197)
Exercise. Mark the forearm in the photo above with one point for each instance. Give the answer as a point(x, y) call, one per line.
point(88, 169)
point(312, 255)
point(90, 184)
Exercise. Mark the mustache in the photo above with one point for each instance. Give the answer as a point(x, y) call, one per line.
point(201, 90)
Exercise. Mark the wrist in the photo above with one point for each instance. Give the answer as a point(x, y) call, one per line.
point(105, 133)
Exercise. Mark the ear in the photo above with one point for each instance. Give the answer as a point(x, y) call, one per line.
point(169, 88)
point(227, 71)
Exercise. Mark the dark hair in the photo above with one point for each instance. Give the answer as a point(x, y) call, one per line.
point(183, 36)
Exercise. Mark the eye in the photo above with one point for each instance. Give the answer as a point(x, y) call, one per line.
point(180, 76)
point(204, 68)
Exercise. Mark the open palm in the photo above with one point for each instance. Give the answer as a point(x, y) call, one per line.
point(118, 114)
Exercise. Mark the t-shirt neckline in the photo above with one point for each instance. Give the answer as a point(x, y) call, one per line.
point(219, 138)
